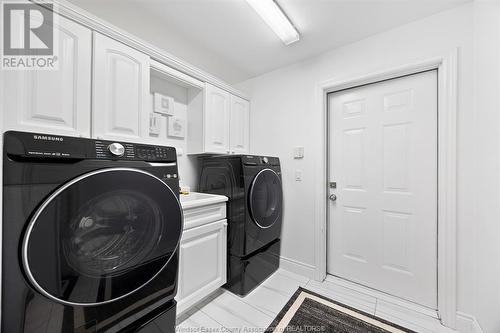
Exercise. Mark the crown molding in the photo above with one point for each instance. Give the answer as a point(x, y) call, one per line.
point(79, 15)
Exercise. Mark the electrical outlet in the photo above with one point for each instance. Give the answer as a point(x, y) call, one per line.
point(298, 175)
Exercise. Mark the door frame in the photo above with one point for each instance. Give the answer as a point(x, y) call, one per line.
point(447, 67)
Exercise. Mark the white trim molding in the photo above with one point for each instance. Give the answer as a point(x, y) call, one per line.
point(94, 23)
point(447, 189)
point(297, 267)
point(467, 323)
point(447, 67)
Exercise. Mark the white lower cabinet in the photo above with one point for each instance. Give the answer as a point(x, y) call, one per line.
point(202, 263)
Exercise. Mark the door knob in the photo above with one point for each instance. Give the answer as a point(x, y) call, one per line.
point(332, 197)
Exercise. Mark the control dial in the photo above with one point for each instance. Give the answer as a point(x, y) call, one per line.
point(116, 149)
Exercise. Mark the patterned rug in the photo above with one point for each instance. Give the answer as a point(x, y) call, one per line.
point(307, 311)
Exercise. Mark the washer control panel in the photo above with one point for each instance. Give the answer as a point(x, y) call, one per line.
point(29, 145)
point(260, 160)
point(130, 151)
point(112, 150)
point(152, 152)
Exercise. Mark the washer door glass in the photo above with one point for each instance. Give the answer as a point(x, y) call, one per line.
point(102, 236)
point(265, 198)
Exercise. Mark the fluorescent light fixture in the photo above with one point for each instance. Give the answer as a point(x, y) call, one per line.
point(272, 14)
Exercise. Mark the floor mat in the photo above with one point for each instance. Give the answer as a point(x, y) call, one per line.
point(307, 311)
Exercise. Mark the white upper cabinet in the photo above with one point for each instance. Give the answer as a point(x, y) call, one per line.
point(217, 117)
point(103, 88)
point(239, 125)
point(53, 101)
point(222, 126)
point(121, 91)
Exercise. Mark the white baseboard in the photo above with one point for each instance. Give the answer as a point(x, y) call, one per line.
point(297, 267)
point(475, 326)
point(467, 323)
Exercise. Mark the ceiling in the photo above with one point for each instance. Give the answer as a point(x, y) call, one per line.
point(228, 39)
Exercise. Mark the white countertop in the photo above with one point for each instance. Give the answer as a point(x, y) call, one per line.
point(195, 199)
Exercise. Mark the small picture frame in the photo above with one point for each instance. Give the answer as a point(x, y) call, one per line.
point(154, 124)
point(163, 104)
point(176, 127)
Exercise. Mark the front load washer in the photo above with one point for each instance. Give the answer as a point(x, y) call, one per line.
point(90, 235)
point(254, 210)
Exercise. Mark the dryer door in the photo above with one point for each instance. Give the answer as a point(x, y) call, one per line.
point(102, 236)
point(266, 198)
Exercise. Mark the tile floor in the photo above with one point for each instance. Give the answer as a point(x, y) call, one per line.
point(226, 312)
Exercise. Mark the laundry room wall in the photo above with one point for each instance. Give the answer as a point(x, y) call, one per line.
point(152, 31)
point(284, 115)
point(487, 176)
point(187, 164)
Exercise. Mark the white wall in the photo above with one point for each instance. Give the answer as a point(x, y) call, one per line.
point(187, 164)
point(283, 115)
point(130, 17)
point(487, 173)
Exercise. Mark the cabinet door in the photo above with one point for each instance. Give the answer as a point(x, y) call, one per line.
point(239, 125)
point(53, 101)
point(202, 263)
point(121, 91)
point(216, 120)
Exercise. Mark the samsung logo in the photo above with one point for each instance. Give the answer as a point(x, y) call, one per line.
point(48, 138)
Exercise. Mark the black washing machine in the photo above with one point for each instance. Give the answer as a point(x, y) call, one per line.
point(90, 235)
point(254, 213)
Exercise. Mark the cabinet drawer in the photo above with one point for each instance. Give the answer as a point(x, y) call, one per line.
point(197, 216)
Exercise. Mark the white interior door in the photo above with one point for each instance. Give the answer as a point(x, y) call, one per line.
point(382, 229)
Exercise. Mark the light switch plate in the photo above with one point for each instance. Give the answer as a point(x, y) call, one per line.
point(298, 175)
point(298, 152)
